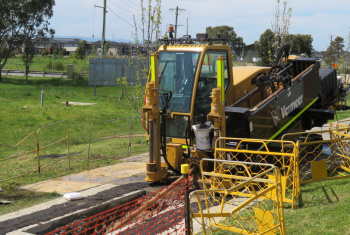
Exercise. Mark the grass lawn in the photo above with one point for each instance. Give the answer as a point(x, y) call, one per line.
point(44, 63)
point(21, 114)
point(324, 209)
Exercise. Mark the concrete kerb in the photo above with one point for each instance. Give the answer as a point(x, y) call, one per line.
point(45, 205)
point(64, 220)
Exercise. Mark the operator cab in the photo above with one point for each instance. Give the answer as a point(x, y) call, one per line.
point(189, 73)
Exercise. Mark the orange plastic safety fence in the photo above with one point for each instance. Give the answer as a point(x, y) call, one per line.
point(160, 212)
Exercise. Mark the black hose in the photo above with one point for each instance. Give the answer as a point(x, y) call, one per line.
point(163, 145)
point(163, 135)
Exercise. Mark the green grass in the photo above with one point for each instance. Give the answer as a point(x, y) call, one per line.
point(23, 198)
point(40, 63)
point(21, 114)
point(324, 209)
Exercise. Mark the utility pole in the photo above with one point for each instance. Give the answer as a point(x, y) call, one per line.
point(331, 36)
point(177, 9)
point(187, 26)
point(103, 29)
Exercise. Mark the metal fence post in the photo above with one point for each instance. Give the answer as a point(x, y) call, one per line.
point(131, 135)
point(88, 155)
point(69, 158)
point(37, 152)
point(185, 171)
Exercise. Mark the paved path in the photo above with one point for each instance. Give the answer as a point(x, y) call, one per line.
point(36, 74)
point(132, 169)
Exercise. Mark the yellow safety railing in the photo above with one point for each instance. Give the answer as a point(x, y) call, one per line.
point(323, 155)
point(24, 158)
point(265, 151)
point(343, 123)
point(237, 199)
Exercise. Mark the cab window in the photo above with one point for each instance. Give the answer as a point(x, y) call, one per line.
point(206, 82)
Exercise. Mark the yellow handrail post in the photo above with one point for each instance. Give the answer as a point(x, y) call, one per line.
point(220, 77)
point(217, 112)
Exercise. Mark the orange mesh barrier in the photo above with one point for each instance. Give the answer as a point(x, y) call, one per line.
point(160, 212)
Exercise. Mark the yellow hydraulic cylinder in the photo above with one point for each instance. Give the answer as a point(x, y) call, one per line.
point(154, 172)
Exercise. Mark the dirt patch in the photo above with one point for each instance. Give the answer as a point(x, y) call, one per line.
point(54, 155)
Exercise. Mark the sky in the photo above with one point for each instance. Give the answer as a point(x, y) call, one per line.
point(322, 19)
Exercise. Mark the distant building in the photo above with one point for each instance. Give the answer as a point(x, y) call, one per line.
point(70, 44)
point(116, 49)
point(56, 44)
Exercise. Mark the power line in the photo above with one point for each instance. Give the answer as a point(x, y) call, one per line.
point(125, 3)
point(120, 17)
point(118, 6)
point(134, 3)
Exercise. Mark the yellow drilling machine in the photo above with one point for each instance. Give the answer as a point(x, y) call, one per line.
point(194, 96)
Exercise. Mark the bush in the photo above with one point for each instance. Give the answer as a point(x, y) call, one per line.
point(80, 52)
point(49, 65)
point(44, 52)
point(59, 66)
point(63, 52)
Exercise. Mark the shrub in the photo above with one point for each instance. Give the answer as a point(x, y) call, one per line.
point(49, 65)
point(59, 66)
point(44, 52)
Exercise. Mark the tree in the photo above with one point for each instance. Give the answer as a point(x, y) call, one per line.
point(149, 27)
point(249, 58)
point(107, 46)
point(21, 19)
point(345, 67)
point(301, 43)
point(80, 52)
point(280, 26)
point(63, 52)
point(334, 51)
point(265, 47)
point(44, 52)
point(28, 55)
point(146, 35)
point(228, 33)
point(94, 50)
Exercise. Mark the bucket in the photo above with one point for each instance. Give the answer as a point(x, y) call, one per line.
point(201, 133)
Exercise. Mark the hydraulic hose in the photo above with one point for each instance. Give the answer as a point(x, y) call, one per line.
point(163, 135)
point(163, 144)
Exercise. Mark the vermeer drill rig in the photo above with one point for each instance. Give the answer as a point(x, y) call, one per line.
point(193, 88)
